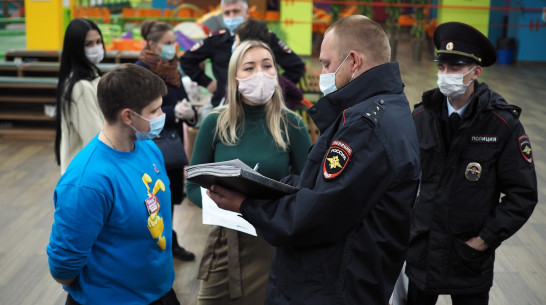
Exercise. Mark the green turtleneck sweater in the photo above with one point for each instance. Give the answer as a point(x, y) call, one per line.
point(256, 145)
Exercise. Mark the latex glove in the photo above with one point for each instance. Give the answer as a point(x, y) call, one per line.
point(183, 110)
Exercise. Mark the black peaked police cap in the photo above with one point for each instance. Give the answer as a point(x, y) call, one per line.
point(460, 44)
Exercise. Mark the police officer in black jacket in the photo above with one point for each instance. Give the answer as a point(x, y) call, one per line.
point(474, 151)
point(341, 239)
point(218, 48)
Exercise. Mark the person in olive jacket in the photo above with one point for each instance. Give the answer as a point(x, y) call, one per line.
point(479, 184)
point(342, 238)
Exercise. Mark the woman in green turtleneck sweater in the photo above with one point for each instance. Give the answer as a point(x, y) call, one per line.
point(254, 127)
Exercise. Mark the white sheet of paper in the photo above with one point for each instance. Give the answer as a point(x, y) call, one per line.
point(213, 215)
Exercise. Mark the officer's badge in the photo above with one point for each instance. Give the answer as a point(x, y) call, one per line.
point(473, 171)
point(284, 47)
point(525, 148)
point(336, 159)
point(196, 46)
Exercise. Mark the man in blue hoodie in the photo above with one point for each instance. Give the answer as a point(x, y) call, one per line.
point(111, 238)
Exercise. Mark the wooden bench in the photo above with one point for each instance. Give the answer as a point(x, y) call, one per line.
point(39, 68)
point(23, 55)
point(22, 104)
point(10, 68)
point(26, 90)
point(28, 84)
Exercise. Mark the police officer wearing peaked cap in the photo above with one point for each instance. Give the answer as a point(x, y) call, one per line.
point(461, 44)
point(473, 150)
point(219, 46)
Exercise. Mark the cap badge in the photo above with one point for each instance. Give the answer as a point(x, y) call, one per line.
point(449, 46)
point(473, 171)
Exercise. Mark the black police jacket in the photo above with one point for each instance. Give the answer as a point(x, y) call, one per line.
point(489, 156)
point(217, 48)
point(341, 239)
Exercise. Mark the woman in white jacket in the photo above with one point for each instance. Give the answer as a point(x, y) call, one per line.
point(79, 118)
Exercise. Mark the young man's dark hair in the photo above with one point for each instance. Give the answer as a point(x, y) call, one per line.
point(123, 88)
point(253, 29)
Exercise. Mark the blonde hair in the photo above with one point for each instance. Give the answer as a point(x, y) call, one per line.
point(231, 118)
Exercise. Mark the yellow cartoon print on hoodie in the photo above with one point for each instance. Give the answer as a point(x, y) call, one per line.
point(155, 222)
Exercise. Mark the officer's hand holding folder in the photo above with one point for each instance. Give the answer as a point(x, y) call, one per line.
point(237, 176)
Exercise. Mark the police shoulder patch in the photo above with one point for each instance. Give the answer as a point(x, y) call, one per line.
point(284, 47)
point(196, 46)
point(525, 148)
point(336, 159)
point(218, 32)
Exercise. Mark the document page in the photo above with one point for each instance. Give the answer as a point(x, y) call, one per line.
point(213, 215)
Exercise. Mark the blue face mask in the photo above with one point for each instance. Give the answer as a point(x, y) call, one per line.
point(327, 82)
point(156, 126)
point(232, 23)
point(167, 51)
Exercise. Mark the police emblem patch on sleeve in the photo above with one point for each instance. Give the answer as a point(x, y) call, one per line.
point(196, 46)
point(525, 148)
point(284, 47)
point(336, 159)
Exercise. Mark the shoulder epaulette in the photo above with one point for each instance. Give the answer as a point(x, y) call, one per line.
point(417, 105)
point(218, 32)
point(374, 111)
point(507, 114)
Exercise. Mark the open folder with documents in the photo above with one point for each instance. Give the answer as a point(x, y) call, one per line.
point(237, 176)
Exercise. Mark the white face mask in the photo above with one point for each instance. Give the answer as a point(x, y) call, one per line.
point(327, 82)
point(95, 54)
point(156, 126)
point(258, 88)
point(452, 85)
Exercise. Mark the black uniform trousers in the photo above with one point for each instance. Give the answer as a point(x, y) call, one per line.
point(419, 297)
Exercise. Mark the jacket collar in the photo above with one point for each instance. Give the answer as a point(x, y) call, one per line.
point(434, 100)
point(383, 79)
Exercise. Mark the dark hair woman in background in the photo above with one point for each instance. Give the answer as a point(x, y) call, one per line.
point(79, 118)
